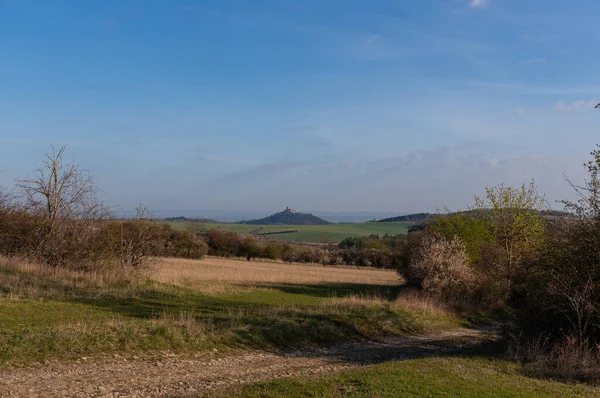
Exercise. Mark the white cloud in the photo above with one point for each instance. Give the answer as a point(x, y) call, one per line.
point(520, 112)
point(575, 106)
point(477, 3)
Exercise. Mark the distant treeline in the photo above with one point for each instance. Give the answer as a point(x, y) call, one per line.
point(190, 219)
point(416, 217)
point(388, 251)
point(287, 231)
point(422, 218)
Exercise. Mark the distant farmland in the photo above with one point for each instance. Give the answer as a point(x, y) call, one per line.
point(331, 233)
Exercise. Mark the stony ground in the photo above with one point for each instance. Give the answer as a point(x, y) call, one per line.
point(169, 375)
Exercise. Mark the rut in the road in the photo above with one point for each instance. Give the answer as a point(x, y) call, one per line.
point(172, 375)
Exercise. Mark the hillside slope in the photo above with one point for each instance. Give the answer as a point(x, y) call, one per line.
point(288, 217)
point(423, 218)
point(416, 218)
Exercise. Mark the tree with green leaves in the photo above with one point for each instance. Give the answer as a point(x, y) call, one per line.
point(471, 229)
point(515, 222)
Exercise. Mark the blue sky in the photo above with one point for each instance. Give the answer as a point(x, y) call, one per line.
point(338, 105)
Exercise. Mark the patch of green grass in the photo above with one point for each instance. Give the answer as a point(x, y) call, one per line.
point(64, 320)
point(425, 377)
point(330, 233)
point(15, 314)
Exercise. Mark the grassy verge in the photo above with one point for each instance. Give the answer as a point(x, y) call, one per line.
point(52, 314)
point(427, 377)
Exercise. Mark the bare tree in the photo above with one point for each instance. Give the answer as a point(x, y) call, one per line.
point(3, 197)
point(578, 277)
point(587, 206)
point(61, 218)
point(60, 190)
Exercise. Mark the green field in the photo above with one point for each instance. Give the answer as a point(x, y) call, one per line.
point(474, 376)
point(331, 233)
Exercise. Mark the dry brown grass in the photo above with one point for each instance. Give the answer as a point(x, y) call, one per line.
point(567, 359)
point(195, 272)
point(24, 279)
point(60, 313)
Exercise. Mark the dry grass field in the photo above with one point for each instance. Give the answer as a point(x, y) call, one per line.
point(113, 327)
point(214, 269)
point(190, 306)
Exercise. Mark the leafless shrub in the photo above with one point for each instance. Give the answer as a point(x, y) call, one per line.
point(567, 302)
point(184, 244)
point(567, 359)
point(223, 243)
point(441, 267)
point(134, 241)
point(4, 198)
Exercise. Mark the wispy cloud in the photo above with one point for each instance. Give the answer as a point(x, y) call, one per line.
point(533, 89)
point(459, 171)
point(300, 128)
point(533, 61)
point(575, 106)
point(372, 39)
point(478, 3)
point(260, 173)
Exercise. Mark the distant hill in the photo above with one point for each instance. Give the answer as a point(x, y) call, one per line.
point(416, 218)
point(288, 217)
point(420, 219)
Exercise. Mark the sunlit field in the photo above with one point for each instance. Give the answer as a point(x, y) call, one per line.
point(332, 233)
point(216, 269)
point(195, 305)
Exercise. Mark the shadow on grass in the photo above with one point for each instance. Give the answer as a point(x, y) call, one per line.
point(270, 326)
point(241, 319)
point(276, 325)
point(407, 348)
point(152, 301)
point(267, 326)
point(327, 290)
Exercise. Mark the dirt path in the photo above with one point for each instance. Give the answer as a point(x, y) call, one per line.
point(173, 375)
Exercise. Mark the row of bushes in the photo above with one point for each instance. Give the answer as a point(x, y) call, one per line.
point(98, 242)
point(53, 216)
point(230, 244)
point(93, 243)
point(386, 243)
point(373, 251)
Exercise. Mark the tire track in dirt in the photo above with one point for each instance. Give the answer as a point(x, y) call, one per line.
point(177, 375)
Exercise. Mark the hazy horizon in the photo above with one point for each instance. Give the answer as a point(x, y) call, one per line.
point(237, 215)
point(339, 106)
